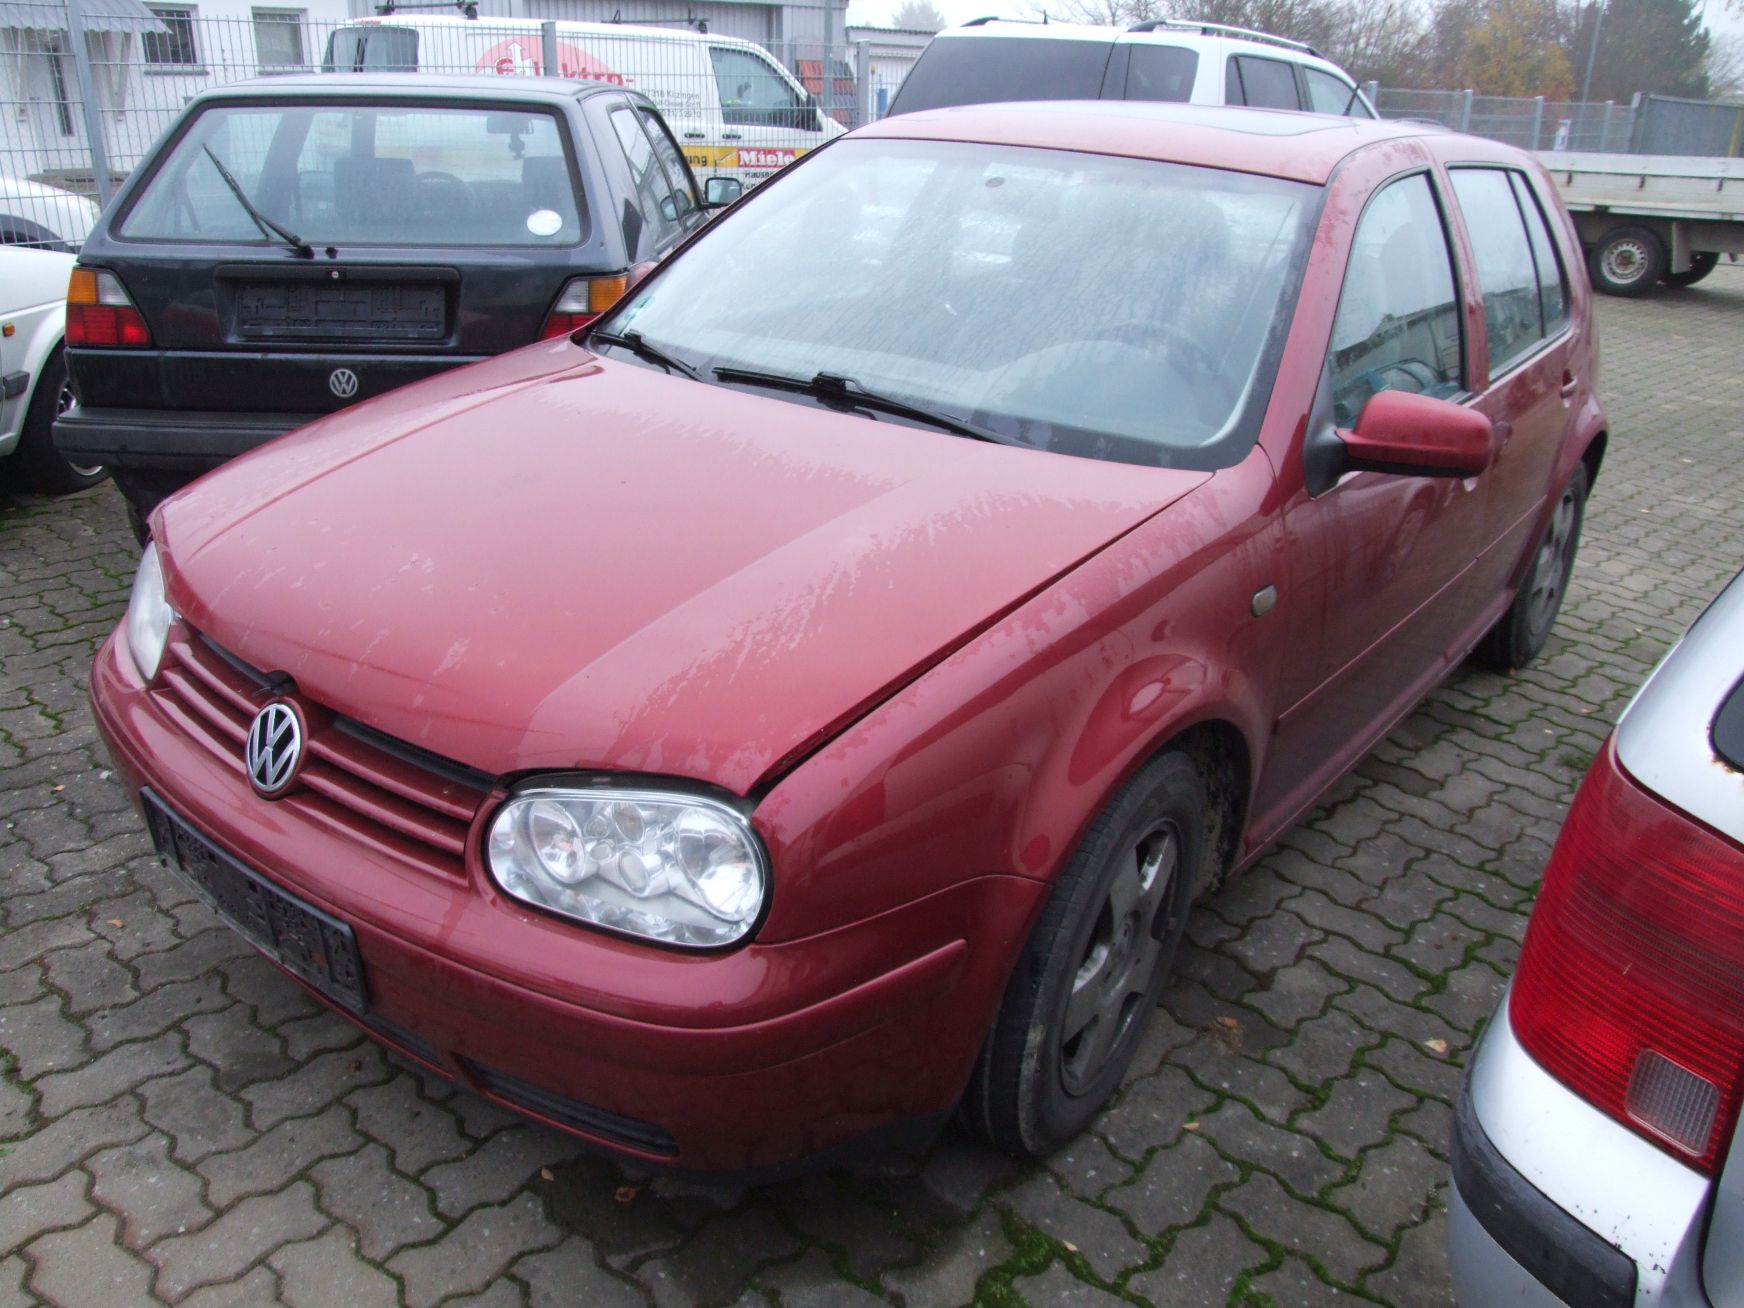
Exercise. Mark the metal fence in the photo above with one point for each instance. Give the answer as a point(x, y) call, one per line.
point(723, 98)
point(1648, 124)
point(1533, 124)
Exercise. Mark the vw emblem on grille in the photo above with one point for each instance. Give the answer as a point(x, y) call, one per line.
point(342, 382)
point(275, 749)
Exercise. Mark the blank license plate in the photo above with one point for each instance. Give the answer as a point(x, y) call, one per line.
point(316, 946)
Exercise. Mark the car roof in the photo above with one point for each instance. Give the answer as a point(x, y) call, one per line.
point(419, 86)
point(1303, 147)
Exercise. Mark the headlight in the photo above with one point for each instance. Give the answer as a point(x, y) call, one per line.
point(149, 615)
point(680, 869)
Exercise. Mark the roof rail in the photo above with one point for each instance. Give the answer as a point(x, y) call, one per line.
point(1224, 29)
point(995, 18)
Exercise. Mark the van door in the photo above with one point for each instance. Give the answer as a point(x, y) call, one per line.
point(766, 120)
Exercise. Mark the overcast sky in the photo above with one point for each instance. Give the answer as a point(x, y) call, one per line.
point(1720, 20)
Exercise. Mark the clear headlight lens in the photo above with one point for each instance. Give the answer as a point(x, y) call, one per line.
point(149, 615)
point(680, 869)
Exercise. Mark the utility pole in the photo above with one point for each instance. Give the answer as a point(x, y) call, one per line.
point(1592, 52)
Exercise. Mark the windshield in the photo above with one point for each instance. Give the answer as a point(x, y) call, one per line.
point(351, 174)
point(1108, 307)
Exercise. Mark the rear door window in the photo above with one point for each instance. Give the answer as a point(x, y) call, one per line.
point(991, 69)
point(1552, 280)
point(1263, 83)
point(366, 175)
point(1507, 274)
point(1160, 72)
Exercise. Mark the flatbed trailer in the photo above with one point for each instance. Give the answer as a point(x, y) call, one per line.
point(1651, 219)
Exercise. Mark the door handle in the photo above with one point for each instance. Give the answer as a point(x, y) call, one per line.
point(732, 136)
point(693, 136)
point(1569, 385)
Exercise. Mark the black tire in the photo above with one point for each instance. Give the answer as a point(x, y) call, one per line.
point(1517, 639)
point(41, 466)
point(1700, 266)
point(1089, 975)
point(1627, 261)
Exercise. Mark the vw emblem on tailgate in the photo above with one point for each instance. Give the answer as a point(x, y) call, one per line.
point(342, 382)
point(275, 749)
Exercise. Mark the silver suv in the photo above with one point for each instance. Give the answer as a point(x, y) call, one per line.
point(995, 60)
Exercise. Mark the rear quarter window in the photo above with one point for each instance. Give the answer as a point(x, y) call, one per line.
point(382, 174)
point(991, 69)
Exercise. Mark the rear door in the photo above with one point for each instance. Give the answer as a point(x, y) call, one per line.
point(436, 231)
point(1261, 83)
point(1528, 351)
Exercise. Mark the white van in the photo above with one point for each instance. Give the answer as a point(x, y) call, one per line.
point(735, 111)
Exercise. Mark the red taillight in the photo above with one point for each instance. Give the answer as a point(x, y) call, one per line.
point(99, 311)
point(1630, 988)
point(581, 301)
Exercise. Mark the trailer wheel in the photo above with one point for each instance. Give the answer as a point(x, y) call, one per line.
point(1700, 266)
point(1627, 261)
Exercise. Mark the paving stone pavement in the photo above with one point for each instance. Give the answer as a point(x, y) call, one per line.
point(179, 1123)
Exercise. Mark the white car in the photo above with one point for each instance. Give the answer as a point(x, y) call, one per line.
point(1180, 60)
point(33, 370)
point(44, 217)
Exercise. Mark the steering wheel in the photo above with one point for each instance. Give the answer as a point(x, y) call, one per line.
point(439, 191)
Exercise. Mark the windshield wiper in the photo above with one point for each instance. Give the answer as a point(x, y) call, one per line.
point(638, 345)
point(268, 228)
point(845, 392)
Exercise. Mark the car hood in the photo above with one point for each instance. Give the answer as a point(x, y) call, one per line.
point(553, 561)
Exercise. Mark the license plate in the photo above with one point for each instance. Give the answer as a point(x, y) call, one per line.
point(314, 945)
point(341, 311)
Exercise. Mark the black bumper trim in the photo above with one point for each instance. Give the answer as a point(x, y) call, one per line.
point(13, 384)
point(1572, 1261)
point(167, 439)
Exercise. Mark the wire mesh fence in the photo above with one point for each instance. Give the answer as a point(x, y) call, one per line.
point(736, 106)
point(1531, 123)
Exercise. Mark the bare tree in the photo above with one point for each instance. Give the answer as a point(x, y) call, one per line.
point(918, 16)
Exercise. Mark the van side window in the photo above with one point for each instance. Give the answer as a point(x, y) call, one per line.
point(1160, 72)
point(1398, 323)
point(1261, 83)
point(1513, 315)
point(1331, 95)
point(753, 94)
point(1552, 280)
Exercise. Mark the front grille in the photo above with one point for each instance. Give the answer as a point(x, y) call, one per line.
point(389, 795)
point(600, 1122)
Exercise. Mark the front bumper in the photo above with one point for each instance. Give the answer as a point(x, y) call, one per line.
point(738, 1061)
point(1554, 1205)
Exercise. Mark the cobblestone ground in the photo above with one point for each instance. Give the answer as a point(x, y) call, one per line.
point(179, 1123)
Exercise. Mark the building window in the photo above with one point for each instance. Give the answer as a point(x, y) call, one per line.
point(278, 39)
point(174, 48)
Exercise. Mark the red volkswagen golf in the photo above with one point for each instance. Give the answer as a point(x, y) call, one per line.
point(808, 701)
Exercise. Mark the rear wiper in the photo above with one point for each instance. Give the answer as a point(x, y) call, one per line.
point(638, 345)
point(268, 228)
point(845, 392)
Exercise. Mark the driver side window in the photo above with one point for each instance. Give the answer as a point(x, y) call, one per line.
point(1398, 324)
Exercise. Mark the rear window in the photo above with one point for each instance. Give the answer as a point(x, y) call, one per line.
point(365, 175)
point(990, 69)
point(378, 49)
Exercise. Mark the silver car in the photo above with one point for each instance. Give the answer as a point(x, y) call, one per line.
point(1595, 1162)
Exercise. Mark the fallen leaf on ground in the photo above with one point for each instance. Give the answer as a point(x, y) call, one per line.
point(1435, 1046)
point(546, 1174)
point(626, 1193)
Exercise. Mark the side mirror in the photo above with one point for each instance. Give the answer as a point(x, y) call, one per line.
point(638, 273)
point(719, 192)
point(1418, 436)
